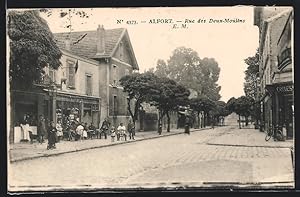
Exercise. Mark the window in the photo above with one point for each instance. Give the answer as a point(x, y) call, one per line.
point(52, 74)
point(88, 85)
point(114, 74)
point(115, 106)
point(71, 74)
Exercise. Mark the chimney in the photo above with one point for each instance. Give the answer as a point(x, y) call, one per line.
point(100, 40)
point(68, 43)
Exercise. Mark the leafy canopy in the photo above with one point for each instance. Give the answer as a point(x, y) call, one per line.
point(251, 76)
point(185, 67)
point(32, 48)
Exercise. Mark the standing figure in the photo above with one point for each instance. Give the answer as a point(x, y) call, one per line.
point(112, 134)
point(59, 129)
point(25, 128)
point(104, 128)
point(79, 132)
point(41, 130)
point(51, 136)
point(122, 131)
point(92, 131)
point(131, 129)
point(85, 131)
point(187, 124)
point(159, 128)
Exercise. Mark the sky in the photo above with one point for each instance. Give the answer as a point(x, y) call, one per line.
point(228, 43)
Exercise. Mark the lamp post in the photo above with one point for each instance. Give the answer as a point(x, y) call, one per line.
point(52, 94)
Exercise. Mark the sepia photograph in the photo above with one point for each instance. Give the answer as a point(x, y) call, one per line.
point(150, 98)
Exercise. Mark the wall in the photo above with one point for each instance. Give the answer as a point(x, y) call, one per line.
point(84, 67)
point(103, 71)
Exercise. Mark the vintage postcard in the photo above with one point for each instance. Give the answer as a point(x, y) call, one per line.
point(150, 98)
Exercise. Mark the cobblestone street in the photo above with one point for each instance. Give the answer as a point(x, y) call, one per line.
point(178, 160)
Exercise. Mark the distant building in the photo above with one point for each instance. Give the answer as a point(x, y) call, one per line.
point(276, 66)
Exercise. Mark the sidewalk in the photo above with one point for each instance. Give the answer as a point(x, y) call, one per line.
point(26, 151)
point(248, 137)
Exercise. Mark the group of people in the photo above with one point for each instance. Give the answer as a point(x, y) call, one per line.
point(122, 133)
point(76, 130)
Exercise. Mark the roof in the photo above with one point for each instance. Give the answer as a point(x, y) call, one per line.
point(87, 46)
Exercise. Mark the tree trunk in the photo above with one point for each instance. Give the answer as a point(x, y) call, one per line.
point(160, 117)
point(168, 121)
point(246, 120)
point(204, 119)
point(198, 126)
point(239, 121)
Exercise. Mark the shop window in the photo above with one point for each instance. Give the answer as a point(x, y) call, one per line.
point(89, 85)
point(71, 74)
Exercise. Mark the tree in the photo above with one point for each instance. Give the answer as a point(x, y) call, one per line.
point(210, 76)
point(219, 110)
point(251, 76)
point(185, 67)
point(251, 84)
point(138, 86)
point(202, 104)
point(162, 69)
point(31, 48)
point(208, 105)
point(168, 96)
point(230, 105)
point(243, 106)
point(197, 105)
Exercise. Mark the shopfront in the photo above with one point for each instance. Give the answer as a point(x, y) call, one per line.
point(83, 109)
point(280, 112)
point(285, 94)
point(25, 108)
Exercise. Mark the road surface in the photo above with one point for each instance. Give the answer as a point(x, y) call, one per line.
point(174, 161)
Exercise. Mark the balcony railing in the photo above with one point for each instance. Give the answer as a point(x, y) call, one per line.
point(284, 58)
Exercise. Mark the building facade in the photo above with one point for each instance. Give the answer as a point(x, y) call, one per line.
point(69, 93)
point(84, 88)
point(113, 52)
point(276, 67)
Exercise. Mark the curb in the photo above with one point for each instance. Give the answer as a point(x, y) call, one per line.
point(241, 145)
point(100, 146)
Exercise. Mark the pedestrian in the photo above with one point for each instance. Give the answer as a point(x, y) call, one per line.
point(187, 125)
point(159, 128)
point(59, 129)
point(51, 136)
point(122, 130)
point(104, 128)
point(79, 132)
point(25, 128)
point(92, 130)
point(85, 131)
point(112, 133)
point(41, 130)
point(131, 129)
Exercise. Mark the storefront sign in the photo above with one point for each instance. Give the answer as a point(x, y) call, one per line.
point(284, 89)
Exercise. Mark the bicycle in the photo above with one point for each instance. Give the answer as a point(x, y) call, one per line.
point(270, 133)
